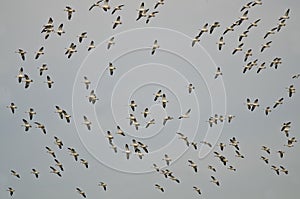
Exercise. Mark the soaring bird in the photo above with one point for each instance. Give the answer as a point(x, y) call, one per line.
point(261, 67)
point(276, 169)
point(193, 165)
point(118, 7)
point(14, 173)
point(157, 95)
point(82, 193)
point(59, 111)
point(120, 131)
point(132, 105)
point(244, 34)
point(195, 39)
point(111, 68)
point(265, 159)
point(239, 48)
point(91, 46)
point(164, 100)
point(73, 153)
point(26, 125)
point(84, 162)
point(59, 164)
point(96, 4)
point(167, 118)
point(87, 82)
point(278, 102)
point(253, 24)
point(246, 6)
point(11, 191)
point(146, 112)
point(152, 121)
point(69, 11)
point(87, 122)
point(20, 75)
point(291, 90)
point(50, 151)
point(66, 116)
point(58, 142)
point(184, 138)
point(41, 126)
point(151, 15)
point(154, 47)
point(159, 2)
point(267, 110)
point(211, 168)
point(281, 153)
point(270, 32)
point(110, 42)
point(284, 170)
point(266, 149)
point(39, 52)
point(35, 173)
point(238, 154)
point(12, 107)
point(167, 159)
point(197, 189)
point(221, 43)
point(213, 26)
point(27, 80)
point(55, 171)
point(248, 54)
point(286, 15)
point(117, 22)
point(214, 180)
point(49, 81)
point(70, 50)
point(218, 72)
point(105, 6)
point(82, 36)
point(22, 53)
point(159, 187)
point(104, 185)
point(185, 115)
point(127, 151)
point(204, 29)
point(60, 30)
point(42, 68)
point(92, 97)
point(265, 46)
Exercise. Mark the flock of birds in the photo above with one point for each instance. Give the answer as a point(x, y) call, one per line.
point(137, 147)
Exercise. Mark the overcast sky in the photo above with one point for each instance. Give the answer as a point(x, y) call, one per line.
point(138, 76)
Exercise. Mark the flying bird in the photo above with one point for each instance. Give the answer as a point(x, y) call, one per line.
point(69, 11)
point(119, 7)
point(39, 52)
point(154, 47)
point(117, 22)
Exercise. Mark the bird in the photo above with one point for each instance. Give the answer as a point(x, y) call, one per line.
point(246, 6)
point(256, 2)
point(159, 2)
point(197, 189)
point(193, 165)
point(185, 115)
point(39, 52)
point(104, 185)
point(92, 97)
point(84, 162)
point(110, 42)
point(218, 72)
point(58, 142)
point(265, 46)
point(231, 168)
point(82, 36)
point(159, 187)
point(270, 32)
point(55, 171)
point(87, 122)
point(230, 118)
point(238, 154)
point(281, 153)
point(167, 159)
point(132, 105)
point(111, 68)
point(11, 191)
point(22, 53)
point(120, 131)
point(60, 30)
point(20, 75)
point(190, 88)
point(234, 143)
point(204, 29)
point(229, 28)
point(73, 153)
point(59, 164)
point(69, 11)
point(167, 118)
point(142, 12)
point(50, 151)
point(12, 107)
point(87, 82)
point(127, 151)
point(206, 143)
point(82, 193)
point(276, 169)
point(275, 62)
point(214, 180)
point(286, 15)
point(27, 81)
point(211, 168)
point(278, 102)
point(26, 125)
point(119, 7)
point(239, 48)
point(109, 136)
point(59, 111)
point(267, 110)
point(195, 39)
point(91, 45)
point(67, 116)
point(213, 26)
point(221, 43)
point(291, 90)
point(154, 47)
point(143, 146)
point(266, 149)
point(244, 17)
point(265, 159)
point(280, 25)
point(42, 68)
point(49, 81)
point(96, 4)
point(14, 173)
point(284, 170)
point(184, 138)
point(35, 172)
point(296, 76)
point(164, 100)
point(146, 112)
point(70, 50)
point(41, 126)
point(151, 15)
point(105, 6)
point(248, 54)
point(117, 22)
point(244, 34)
point(194, 144)
point(152, 121)
point(157, 95)
point(261, 67)
point(253, 24)
point(222, 146)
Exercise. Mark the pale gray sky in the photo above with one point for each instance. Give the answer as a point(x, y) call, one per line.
point(138, 76)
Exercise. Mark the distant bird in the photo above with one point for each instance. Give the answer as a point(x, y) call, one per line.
point(20, 75)
point(256, 2)
point(66, 116)
point(146, 112)
point(119, 7)
point(117, 22)
point(267, 110)
point(39, 52)
point(244, 34)
point(111, 68)
point(167, 118)
point(42, 68)
point(105, 6)
point(275, 62)
point(206, 143)
point(265, 159)
point(238, 154)
point(284, 170)
point(280, 25)
point(248, 54)
point(204, 29)
point(261, 67)
point(246, 6)
point(159, 187)
point(82, 193)
point(214, 180)
point(59, 111)
point(35, 173)
point(167, 159)
point(265, 46)
point(231, 168)
point(87, 122)
point(91, 46)
point(266, 149)
point(49, 81)
point(151, 15)
point(22, 53)
point(157, 95)
point(164, 100)
point(59, 164)
point(184, 138)
point(229, 28)
point(285, 16)
point(214, 26)
point(84, 162)
point(152, 121)
point(132, 105)
point(104, 185)
point(230, 118)
point(41, 126)
point(92, 97)
point(120, 131)
point(296, 76)
point(87, 82)
point(218, 72)
point(12, 107)
point(143, 146)
point(55, 171)
point(26, 125)
point(195, 40)
point(60, 30)
point(96, 4)
point(278, 102)
point(127, 151)
point(109, 136)
point(193, 165)
point(50, 151)
point(27, 81)
point(211, 168)
point(244, 17)
point(73, 153)
point(234, 143)
point(154, 47)
point(82, 36)
point(197, 189)
point(11, 191)
point(239, 48)
point(70, 50)
point(14, 173)
point(222, 146)
point(194, 144)
point(252, 105)
point(69, 11)
point(58, 142)
point(185, 115)
point(190, 88)
point(270, 32)
point(276, 169)
point(281, 153)
point(110, 42)
point(254, 24)
point(291, 90)
point(159, 2)
point(221, 43)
